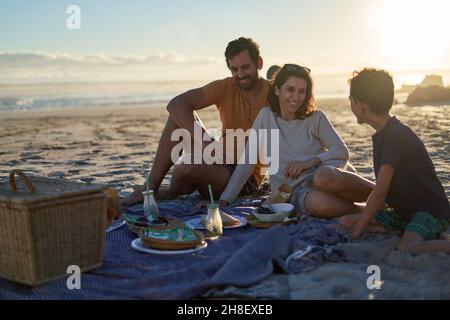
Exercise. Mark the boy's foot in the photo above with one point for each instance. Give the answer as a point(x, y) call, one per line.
point(445, 235)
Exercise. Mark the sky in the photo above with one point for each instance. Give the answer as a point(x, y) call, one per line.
point(134, 40)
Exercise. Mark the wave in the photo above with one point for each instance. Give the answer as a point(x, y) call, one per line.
point(52, 103)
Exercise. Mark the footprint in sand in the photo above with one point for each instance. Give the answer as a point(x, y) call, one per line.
point(10, 163)
point(78, 162)
point(57, 174)
point(87, 179)
point(118, 157)
point(120, 171)
point(132, 145)
point(27, 156)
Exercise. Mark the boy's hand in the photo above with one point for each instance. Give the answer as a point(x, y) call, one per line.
point(358, 229)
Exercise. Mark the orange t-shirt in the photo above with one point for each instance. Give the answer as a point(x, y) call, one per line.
point(235, 112)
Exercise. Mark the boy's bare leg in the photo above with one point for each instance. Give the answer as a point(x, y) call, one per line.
point(414, 243)
point(346, 185)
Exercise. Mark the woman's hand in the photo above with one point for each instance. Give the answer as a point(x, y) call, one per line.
point(295, 168)
point(200, 204)
point(222, 203)
point(204, 203)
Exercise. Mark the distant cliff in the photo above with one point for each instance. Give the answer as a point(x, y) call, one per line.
point(430, 90)
point(429, 80)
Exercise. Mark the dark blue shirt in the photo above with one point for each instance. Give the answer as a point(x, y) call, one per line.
point(415, 186)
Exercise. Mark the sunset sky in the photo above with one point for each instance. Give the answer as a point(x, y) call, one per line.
point(182, 39)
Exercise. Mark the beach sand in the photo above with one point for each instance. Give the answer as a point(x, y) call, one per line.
point(116, 146)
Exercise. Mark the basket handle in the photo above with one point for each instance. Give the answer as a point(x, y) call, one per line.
point(12, 181)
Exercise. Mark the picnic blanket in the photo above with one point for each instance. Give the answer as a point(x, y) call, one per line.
point(242, 257)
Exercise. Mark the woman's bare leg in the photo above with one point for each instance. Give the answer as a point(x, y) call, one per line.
point(344, 184)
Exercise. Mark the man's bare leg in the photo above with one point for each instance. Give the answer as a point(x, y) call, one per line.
point(161, 164)
point(188, 178)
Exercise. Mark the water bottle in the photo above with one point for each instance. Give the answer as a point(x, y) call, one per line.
point(151, 210)
point(213, 220)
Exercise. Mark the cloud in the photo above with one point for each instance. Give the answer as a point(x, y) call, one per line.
point(43, 66)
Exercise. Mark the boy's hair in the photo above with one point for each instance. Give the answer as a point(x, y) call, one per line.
point(237, 46)
point(373, 87)
point(272, 71)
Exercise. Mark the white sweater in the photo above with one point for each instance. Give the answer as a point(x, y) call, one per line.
point(299, 140)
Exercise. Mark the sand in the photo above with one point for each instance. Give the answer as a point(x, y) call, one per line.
point(116, 146)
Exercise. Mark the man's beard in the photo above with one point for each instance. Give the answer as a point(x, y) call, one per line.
point(250, 84)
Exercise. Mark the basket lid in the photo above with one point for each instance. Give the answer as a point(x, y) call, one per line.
point(42, 188)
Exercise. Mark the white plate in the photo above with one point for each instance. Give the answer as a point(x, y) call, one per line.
point(115, 225)
point(137, 244)
point(196, 223)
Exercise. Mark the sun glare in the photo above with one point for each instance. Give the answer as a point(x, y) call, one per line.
point(412, 33)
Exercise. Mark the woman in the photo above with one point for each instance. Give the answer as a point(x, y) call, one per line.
point(312, 156)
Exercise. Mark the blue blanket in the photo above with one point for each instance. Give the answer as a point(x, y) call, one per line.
point(242, 257)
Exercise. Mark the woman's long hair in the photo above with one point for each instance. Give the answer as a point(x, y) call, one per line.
point(291, 70)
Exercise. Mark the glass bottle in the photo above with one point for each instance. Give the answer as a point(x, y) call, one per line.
point(213, 220)
point(151, 210)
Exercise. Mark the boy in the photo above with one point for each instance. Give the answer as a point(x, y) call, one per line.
point(405, 176)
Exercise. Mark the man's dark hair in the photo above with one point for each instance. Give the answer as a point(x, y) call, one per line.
point(237, 46)
point(373, 87)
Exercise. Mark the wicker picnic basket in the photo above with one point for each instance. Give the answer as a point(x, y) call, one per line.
point(47, 225)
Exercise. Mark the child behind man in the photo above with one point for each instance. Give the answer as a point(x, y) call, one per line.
point(405, 176)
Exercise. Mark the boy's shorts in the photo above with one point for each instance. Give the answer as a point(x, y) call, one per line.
point(422, 223)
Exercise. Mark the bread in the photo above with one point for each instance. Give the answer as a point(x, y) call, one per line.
point(228, 220)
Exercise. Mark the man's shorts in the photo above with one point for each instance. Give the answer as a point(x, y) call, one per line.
point(251, 187)
point(422, 223)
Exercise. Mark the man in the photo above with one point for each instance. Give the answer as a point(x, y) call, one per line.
point(238, 99)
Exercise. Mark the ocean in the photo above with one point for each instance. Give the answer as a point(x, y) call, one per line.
point(54, 96)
